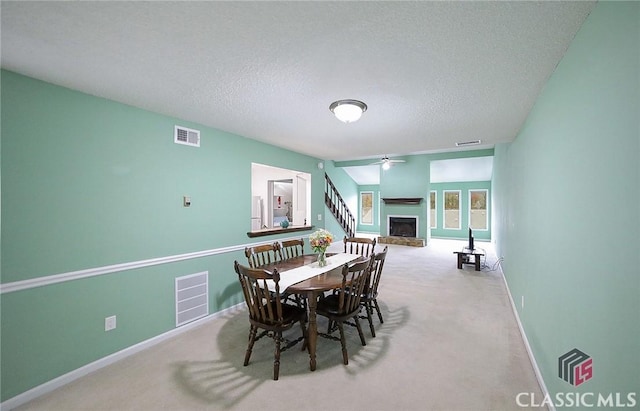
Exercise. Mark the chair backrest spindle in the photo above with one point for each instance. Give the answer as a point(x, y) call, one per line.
point(359, 245)
point(354, 280)
point(376, 272)
point(260, 255)
point(291, 248)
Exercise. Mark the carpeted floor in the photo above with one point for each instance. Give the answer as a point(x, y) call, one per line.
point(449, 342)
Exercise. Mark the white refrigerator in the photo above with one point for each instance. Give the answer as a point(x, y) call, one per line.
point(256, 213)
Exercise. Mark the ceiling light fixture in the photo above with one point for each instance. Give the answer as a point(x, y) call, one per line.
point(386, 162)
point(348, 111)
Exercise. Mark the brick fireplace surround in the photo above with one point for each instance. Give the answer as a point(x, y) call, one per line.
point(411, 241)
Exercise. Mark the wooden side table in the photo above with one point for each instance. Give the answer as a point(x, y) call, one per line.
point(464, 257)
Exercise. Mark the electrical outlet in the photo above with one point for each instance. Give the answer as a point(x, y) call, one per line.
point(319, 217)
point(110, 323)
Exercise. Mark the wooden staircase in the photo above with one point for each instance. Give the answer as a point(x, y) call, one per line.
point(333, 200)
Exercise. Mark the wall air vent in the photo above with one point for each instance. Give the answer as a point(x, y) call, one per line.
point(192, 297)
point(186, 136)
point(468, 143)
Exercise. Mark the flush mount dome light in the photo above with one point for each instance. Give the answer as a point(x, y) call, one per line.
point(348, 111)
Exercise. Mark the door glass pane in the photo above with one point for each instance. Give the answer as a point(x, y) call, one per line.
point(432, 210)
point(452, 209)
point(478, 209)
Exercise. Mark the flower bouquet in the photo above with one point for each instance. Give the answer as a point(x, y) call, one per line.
point(319, 241)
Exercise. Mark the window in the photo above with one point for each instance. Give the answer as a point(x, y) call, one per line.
point(278, 194)
point(366, 207)
point(432, 209)
point(452, 210)
point(478, 218)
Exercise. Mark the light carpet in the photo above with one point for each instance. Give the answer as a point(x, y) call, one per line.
point(449, 342)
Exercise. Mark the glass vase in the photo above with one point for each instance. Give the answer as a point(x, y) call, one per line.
point(322, 258)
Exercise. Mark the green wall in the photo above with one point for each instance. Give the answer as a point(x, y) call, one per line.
point(463, 232)
point(566, 195)
point(408, 179)
point(89, 183)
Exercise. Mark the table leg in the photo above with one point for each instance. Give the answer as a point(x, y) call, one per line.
point(477, 262)
point(460, 260)
point(312, 300)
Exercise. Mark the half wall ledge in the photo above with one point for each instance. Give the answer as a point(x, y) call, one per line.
point(410, 241)
point(403, 200)
point(279, 230)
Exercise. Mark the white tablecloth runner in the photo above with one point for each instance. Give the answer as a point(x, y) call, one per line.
point(296, 275)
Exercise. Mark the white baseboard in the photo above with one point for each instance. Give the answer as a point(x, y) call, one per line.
point(532, 358)
point(108, 360)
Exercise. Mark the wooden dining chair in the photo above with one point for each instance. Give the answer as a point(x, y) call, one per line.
point(344, 305)
point(266, 254)
point(359, 245)
point(291, 248)
point(369, 297)
point(262, 254)
point(268, 312)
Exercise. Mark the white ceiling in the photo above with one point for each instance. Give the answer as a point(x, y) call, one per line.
point(432, 73)
point(364, 175)
point(462, 169)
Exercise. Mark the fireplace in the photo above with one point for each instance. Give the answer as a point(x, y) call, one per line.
point(402, 226)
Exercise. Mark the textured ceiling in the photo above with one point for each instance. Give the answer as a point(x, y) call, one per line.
point(432, 73)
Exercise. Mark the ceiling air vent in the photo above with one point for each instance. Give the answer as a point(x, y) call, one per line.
point(187, 136)
point(468, 143)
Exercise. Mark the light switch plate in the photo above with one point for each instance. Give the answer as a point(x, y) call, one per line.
point(110, 323)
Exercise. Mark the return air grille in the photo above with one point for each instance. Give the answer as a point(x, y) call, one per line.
point(468, 143)
point(186, 136)
point(192, 297)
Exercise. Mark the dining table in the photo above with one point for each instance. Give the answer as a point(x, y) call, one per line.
point(302, 275)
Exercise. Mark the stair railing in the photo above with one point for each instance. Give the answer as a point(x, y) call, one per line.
point(333, 200)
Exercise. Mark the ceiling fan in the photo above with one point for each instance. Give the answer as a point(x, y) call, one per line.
point(387, 163)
